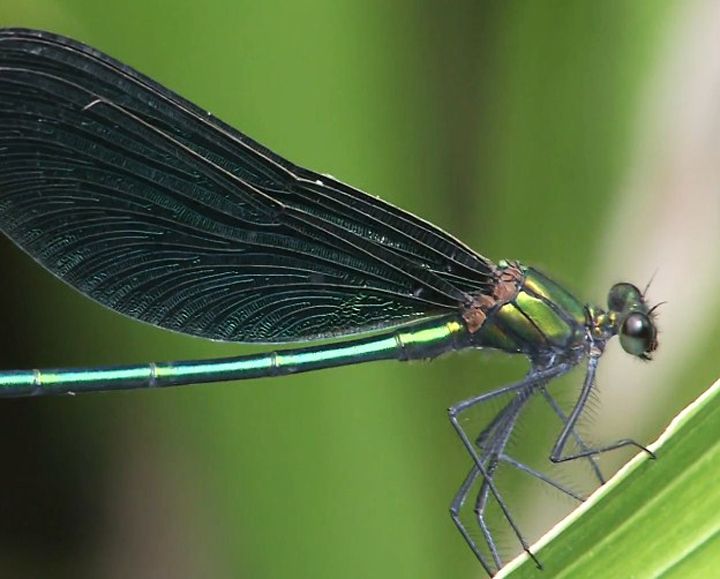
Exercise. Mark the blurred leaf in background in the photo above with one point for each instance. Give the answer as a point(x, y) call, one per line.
point(578, 137)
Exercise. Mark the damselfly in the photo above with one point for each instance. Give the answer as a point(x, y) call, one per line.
point(152, 207)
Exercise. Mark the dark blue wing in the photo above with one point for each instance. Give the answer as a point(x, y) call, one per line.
point(152, 207)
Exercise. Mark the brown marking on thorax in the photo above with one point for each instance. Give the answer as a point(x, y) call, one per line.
point(508, 284)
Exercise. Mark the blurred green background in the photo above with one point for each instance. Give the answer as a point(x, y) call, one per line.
point(534, 131)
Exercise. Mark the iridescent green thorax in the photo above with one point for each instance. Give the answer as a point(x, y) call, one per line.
point(541, 316)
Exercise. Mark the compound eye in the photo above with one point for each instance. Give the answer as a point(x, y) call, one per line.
point(637, 335)
point(622, 296)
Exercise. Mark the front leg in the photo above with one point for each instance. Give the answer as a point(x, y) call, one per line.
point(592, 460)
point(557, 455)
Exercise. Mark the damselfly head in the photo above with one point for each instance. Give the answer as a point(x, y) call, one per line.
point(634, 320)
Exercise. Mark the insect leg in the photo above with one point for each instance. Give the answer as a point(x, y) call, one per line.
point(592, 459)
point(557, 452)
point(455, 509)
point(532, 379)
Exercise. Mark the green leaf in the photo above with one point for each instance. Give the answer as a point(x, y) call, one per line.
point(653, 518)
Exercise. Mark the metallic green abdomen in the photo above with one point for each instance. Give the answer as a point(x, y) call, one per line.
point(543, 315)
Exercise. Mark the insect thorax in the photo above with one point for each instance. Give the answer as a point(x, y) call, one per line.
point(541, 316)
